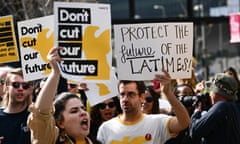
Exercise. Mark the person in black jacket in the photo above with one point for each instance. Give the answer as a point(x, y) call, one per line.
point(14, 113)
point(221, 124)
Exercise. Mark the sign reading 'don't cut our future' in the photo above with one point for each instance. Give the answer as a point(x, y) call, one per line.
point(36, 38)
point(84, 32)
point(8, 45)
point(143, 50)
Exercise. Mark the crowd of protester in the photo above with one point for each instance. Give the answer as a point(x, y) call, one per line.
point(55, 110)
point(43, 111)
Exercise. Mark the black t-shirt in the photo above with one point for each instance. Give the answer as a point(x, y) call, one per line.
point(13, 127)
point(220, 125)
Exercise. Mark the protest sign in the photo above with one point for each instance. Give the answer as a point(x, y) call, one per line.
point(84, 32)
point(8, 45)
point(99, 92)
point(143, 50)
point(36, 38)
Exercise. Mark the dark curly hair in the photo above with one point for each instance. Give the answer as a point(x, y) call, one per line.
point(96, 119)
point(155, 96)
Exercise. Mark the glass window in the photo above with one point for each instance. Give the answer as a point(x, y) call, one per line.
point(210, 8)
point(160, 9)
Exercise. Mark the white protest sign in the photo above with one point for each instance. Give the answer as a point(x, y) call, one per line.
point(143, 50)
point(84, 32)
point(98, 92)
point(36, 38)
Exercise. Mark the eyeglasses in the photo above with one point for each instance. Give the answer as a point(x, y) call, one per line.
point(103, 105)
point(25, 85)
point(149, 99)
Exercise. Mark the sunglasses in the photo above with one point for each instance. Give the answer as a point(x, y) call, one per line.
point(103, 105)
point(17, 85)
point(2, 81)
point(149, 99)
point(72, 85)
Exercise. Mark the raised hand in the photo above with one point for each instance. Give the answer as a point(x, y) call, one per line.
point(165, 81)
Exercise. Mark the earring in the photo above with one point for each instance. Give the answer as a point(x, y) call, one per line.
point(62, 136)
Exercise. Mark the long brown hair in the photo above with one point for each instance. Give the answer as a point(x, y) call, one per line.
point(235, 74)
point(155, 96)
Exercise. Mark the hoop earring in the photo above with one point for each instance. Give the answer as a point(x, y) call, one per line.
point(62, 136)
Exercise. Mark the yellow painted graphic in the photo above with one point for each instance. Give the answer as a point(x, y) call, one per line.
point(128, 140)
point(103, 89)
point(41, 44)
point(97, 48)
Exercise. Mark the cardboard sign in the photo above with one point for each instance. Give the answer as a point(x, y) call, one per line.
point(98, 92)
point(84, 32)
point(143, 50)
point(36, 38)
point(8, 45)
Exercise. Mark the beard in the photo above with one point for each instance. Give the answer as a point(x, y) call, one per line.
point(20, 99)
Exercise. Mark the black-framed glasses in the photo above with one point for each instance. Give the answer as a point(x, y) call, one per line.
point(103, 105)
point(149, 99)
point(25, 85)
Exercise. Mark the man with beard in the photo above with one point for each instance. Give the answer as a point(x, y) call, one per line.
point(13, 115)
point(132, 126)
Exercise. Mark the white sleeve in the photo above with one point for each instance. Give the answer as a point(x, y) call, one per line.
point(101, 135)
